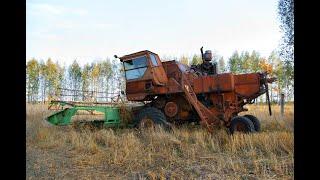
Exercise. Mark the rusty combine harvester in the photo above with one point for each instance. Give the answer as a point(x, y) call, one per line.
point(171, 93)
point(175, 93)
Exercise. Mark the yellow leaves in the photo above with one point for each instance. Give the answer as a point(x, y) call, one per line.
point(33, 68)
point(96, 71)
point(184, 60)
point(51, 67)
point(266, 66)
point(32, 63)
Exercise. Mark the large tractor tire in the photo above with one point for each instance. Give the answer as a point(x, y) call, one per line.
point(255, 121)
point(150, 117)
point(241, 124)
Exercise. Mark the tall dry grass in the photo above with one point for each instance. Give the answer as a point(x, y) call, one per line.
point(189, 152)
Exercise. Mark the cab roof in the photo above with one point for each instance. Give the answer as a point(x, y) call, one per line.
point(136, 54)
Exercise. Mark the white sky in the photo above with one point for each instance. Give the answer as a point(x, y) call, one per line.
point(92, 30)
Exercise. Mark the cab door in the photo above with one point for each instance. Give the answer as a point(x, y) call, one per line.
point(157, 70)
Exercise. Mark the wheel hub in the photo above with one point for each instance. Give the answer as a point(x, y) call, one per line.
point(171, 109)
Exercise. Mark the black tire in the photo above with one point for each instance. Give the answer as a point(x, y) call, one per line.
point(241, 124)
point(255, 121)
point(154, 114)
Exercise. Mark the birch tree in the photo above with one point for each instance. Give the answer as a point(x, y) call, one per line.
point(33, 78)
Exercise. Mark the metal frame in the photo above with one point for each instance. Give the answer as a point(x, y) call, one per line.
point(64, 116)
point(65, 110)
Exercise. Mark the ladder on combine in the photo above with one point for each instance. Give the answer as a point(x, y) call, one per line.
point(207, 117)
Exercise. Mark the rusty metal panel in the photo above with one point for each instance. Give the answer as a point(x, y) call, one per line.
point(159, 75)
point(160, 90)
point(214, 83)
point(247, 84)
point(135, 87)
point(158, 72)
point(252, 78)
point(173, 86)
point(172, 69)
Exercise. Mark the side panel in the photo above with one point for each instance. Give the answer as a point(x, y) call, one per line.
point(158, 73)
point(247, 85)
point(136, 86)
point(136, 91)
point(214, 83)
point(172, 70)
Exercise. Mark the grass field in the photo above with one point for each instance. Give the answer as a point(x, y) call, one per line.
point(187, 153)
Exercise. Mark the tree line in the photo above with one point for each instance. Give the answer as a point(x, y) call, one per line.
point(47, 80)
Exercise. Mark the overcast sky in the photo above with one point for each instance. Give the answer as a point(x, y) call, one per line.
point(90, 30)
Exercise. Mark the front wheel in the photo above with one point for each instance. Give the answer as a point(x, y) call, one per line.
point(150, 117)
point(241, 124)
point(255, 121)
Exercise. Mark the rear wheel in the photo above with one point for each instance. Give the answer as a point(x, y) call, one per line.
point(241, 124)
point(150, 117)
point(255, 121)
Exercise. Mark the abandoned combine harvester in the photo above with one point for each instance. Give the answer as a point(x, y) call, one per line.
point(174, 93)
point(177, 93)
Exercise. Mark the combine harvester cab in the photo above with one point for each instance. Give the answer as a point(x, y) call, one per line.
point(143, 72)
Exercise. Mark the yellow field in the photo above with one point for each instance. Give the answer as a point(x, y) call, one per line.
point(187, 153)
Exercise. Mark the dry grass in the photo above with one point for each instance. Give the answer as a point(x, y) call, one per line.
point(187, 153)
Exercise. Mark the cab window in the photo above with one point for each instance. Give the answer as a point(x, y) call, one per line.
point(154, 60)
point(135, 63)
point(135, 68)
